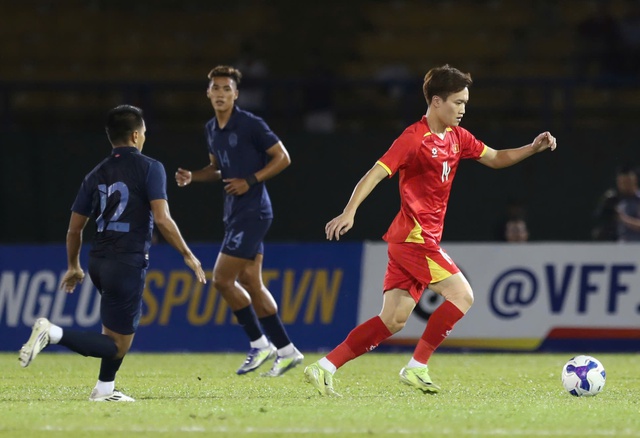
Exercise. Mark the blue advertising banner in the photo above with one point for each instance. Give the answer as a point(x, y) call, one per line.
point(316, 286)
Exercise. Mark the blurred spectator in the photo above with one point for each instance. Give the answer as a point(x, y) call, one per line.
point(628, 206)
point(599, 44)
point(513, 226)
point(606, 217)
point(516, 230)
point(618, 212)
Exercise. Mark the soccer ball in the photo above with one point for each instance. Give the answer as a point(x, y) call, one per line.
point(583, 376)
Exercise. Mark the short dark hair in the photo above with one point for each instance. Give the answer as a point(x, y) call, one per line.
point(444, 81)
point(122, 121)
point(226, 71)
point(626, 169)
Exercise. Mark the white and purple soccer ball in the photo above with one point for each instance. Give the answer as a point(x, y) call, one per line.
point(583, 376)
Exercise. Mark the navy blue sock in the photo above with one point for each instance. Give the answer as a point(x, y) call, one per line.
point(89, 343)
point(275, 330)
point(108, 369)
point(249, 321)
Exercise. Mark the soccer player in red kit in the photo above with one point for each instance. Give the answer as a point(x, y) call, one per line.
point(426, 157)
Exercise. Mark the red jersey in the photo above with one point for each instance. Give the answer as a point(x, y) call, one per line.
point(427, 165)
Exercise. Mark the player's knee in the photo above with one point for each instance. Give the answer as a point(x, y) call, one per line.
point(470, 298)
point(222, 284)
point(395, 323)
point(464, 300)
point(462, 297)
point(396, 326)
point(122, 348)
point(251, 285)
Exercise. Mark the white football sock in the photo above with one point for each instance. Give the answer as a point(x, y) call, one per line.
point(105, 387)
point(261, 342)
point(287, 350)
point(415, 364)
point(55, 334)
point(324, 363)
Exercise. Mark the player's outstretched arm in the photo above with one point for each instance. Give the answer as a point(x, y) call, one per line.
point(339, 225)
point(170, 231)
point(208, 173)
point(74, 274)
point(498, 159)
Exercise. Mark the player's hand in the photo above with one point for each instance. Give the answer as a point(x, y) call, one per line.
point(183, 177)
point(71, 278)
point(544, 141)
point(192, 262)
point(338, 226)
point(236, 186)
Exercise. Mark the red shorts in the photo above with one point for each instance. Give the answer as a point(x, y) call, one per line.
point(412, 267)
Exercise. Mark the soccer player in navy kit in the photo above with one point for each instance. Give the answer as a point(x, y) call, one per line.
point(125, 194)
point(244, 153)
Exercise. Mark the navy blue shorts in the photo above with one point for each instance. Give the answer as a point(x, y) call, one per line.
point(121, 288)
point(244, 238)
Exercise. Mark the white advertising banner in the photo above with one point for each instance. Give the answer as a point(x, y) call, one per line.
point(526, 293)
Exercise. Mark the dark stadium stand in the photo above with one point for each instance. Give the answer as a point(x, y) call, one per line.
point(158, 52)
point(65, 62)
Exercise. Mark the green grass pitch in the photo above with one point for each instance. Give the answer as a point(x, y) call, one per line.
point(484, 395)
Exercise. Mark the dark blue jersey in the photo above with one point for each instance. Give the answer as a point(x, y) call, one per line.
point(117, 194)
point(629, 205)
point(240, 150)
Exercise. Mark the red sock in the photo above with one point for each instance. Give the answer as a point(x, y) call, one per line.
point(363, 338)
point(439, 326)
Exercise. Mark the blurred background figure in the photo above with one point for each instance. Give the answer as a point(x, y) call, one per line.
point(617, 215)
point(516, 231)
point(606, 217)
point(628, 205)
point(513, 225)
